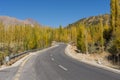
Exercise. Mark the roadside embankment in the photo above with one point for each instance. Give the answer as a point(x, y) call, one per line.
point(97, 60)
point(18, 60)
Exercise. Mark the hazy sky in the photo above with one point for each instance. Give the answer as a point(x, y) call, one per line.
point(54, 12)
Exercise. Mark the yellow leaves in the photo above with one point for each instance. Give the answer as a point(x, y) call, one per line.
point(89, 38)
point(24, 37)
point(117, 38)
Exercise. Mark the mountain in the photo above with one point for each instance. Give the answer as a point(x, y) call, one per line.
point(93, 20)
point(6, 20)
point(30, 21)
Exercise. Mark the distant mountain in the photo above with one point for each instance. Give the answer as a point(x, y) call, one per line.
point(30, 21)
point(6, 20)
point(94, 20)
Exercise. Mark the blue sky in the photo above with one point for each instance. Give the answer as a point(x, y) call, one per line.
point(54, 12)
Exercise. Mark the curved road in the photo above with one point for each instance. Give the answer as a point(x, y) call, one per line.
point(53, 64)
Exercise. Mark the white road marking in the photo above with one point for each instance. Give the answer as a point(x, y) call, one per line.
point(62, 67)
point(52, 59)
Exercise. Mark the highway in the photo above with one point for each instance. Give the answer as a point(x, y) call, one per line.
point(54, 64)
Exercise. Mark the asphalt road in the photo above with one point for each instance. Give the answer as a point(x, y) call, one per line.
point(53, 64)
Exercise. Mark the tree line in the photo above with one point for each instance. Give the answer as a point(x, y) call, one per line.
point(18, 38)
point(88, 39)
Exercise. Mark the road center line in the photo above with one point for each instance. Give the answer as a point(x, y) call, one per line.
point(62, 67)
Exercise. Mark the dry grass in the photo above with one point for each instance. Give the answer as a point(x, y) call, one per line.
point(12, 61)
point(97, 58)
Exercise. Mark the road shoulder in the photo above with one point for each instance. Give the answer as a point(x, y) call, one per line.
point(70, 54)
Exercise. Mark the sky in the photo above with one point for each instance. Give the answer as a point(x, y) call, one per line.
point(54, 12)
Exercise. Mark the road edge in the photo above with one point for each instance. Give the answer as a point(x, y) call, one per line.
point(21, 65)
point(20, 61)
point(68, 53)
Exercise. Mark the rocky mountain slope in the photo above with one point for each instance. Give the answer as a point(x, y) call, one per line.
point(93, 20)
point(6, 20)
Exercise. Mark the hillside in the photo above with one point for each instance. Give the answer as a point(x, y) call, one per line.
point(6, 20)
point(93, 20)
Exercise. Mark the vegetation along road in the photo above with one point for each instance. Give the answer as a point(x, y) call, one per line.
point(53, 64)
